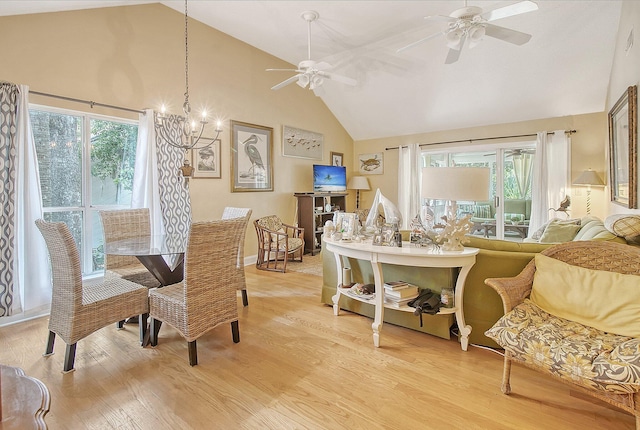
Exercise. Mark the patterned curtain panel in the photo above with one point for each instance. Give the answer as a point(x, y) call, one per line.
point(174, 189)
point(8, 109)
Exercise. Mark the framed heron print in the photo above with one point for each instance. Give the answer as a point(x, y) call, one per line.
point(251, 157)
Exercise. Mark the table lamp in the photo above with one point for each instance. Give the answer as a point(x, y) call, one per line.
point(588, 178)
point(358, 183)
point(453, 184)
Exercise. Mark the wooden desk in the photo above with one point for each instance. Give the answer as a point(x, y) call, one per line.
point(407, 255)
point(24, 401)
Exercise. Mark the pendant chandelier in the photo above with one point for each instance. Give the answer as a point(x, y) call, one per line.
point(192, 129)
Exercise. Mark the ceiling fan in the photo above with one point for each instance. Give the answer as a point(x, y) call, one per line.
point(472, 23)
point(309, 72)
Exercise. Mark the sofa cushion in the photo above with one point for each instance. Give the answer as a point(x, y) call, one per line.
point(564, 348)
point(559, 231)
point(608, 301)
point(482, 211)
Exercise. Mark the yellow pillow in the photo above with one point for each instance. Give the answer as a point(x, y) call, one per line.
point(608, 301)
point(559, 231)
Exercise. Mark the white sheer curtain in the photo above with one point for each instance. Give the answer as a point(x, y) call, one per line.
point(31, 251)
point(551, 176)
point(146, 192)
point(409, 183)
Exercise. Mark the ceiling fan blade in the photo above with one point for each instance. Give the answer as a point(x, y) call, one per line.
point(454, 54)
point(322, 65)
point(284, 70)
point(339, 78)
point(441, 18)
point(511, 10)
point(285, 82)
point(507, 34)
point(417, 42)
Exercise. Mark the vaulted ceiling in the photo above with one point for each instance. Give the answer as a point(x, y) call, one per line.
point(563, 70)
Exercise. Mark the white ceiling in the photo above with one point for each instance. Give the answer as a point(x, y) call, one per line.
point(563, 70)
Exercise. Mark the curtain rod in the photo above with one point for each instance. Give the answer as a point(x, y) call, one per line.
point(482, 138)
point(88, 102)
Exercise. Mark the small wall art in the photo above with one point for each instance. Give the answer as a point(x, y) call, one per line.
point(336, 158)
point(371, 164)
point(206, 161)
point(301, 143)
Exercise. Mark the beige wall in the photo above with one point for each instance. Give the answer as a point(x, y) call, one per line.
point(134, 57)
point(587, 152)
point(625, 71)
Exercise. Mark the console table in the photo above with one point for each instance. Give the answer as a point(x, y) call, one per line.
point(406, 255)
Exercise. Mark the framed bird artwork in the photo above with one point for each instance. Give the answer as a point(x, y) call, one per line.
point(206, 161)
point(251, 157)
point(302, 143)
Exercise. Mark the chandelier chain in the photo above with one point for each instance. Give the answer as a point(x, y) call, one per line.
point(186, 106)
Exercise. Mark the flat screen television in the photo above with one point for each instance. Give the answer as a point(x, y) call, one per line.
point(329, 178)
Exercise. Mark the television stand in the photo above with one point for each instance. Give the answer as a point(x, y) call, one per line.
point(312, 215)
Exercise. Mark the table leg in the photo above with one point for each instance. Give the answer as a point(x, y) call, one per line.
point(465, 330)
point(336, 298)
point(379, 301)
point(157, 265)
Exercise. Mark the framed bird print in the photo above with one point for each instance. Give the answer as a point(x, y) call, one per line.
point(206, 161)
point(251, 157)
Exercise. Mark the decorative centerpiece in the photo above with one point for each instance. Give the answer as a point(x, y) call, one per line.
point(453, 235)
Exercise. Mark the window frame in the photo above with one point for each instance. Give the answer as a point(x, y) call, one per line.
point(87, 209)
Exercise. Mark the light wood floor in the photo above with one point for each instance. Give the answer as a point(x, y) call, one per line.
point(296, 367)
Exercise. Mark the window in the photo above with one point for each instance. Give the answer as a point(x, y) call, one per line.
point(86, 164)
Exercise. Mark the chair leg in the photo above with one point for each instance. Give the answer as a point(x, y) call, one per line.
point(235, 331)
point(245, 299)
point(193, 353)
point(70, 357)
point(153, 331)
point(50, 342)
point(143, 327)
point(506, 374)
point(120, 325)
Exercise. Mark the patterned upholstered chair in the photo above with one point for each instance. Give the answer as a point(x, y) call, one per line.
point(207, 297)
point(79, 309)
point(231, 213)
point(123, 224)
point(277, 242)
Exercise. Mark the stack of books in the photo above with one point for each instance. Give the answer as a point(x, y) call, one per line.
point(399, 293)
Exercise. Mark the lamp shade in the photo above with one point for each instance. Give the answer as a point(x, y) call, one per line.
point(588, 177)
point(358, 183)
point(456, 183)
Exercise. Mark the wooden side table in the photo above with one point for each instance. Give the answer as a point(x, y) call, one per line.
point(24, 401)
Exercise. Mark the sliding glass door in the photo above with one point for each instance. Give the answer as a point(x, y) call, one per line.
point(506, 214)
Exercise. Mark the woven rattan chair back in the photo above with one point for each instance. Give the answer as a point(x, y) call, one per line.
point(78, 309)
point(206, 297)
point(231, 213)
point(123, 224)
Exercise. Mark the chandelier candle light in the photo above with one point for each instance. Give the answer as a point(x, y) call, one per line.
point(455, 184)
point(191, 129)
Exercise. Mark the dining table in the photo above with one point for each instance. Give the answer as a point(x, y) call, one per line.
point(162, 255)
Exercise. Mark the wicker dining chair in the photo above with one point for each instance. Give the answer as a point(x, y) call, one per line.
point(124, 224)
point(206, 297)
point(231, 213)
point(277, 242)
point(78, 309)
